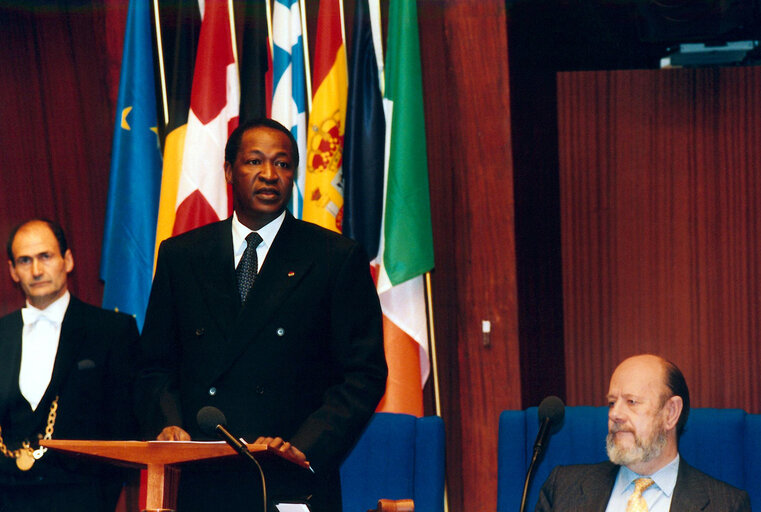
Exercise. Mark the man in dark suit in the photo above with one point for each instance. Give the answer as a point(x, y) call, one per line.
point(65, 372)
point(295, 360)
point(649, 403)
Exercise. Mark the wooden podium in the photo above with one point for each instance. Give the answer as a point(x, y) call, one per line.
point(162, 459)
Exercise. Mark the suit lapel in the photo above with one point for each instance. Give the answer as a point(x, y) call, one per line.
point(596, 487)
point(10, 362)
point(285, 266)
point(215, 272)
point(72, 335)
point(689, 495)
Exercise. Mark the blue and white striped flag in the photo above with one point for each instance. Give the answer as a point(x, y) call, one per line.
point(289, 85)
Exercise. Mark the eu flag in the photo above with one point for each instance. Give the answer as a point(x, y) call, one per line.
point(126, 264)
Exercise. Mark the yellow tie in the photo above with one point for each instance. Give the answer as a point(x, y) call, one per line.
point(636, 502)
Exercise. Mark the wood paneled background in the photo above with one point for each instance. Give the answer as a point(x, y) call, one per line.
point(616, 212)
point(660, 175)
point(467, 104)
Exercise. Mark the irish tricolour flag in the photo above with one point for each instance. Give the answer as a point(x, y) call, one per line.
point(406, 251)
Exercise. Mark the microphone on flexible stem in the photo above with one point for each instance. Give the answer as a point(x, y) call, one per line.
point(212, 422)
point(551, 414)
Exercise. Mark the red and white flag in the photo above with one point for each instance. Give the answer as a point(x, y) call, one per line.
point(197, 193)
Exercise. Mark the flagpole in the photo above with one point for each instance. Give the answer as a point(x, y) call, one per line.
point(160, 51)
point(343, 22)
point(375, 16)
point(434, 364)
point(268, 14)
point(234, 42)
point(307, 69)
point(432, 339)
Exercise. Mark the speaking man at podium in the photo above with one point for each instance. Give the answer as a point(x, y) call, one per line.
point(649, 403)
point(272, 320)
point(65, 373)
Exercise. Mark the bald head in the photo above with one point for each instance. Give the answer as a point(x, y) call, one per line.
point(647, 370)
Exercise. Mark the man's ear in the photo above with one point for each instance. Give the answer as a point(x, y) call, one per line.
point(228, 173)
point(673, 409)
point(68, 260)
point(14, 274)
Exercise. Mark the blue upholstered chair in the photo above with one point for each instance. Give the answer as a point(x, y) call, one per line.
point(398, 457)
point(725, 443)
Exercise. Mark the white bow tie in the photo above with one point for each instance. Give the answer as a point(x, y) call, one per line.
point(31, 316)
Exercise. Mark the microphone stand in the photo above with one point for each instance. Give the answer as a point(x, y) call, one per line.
point(526, 484)
point(538, 448)
point(239, 446)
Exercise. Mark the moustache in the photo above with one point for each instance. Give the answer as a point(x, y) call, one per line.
point(615, 429)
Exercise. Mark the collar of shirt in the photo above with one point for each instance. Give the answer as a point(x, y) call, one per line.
point(664, 478)
point(267, 232)
point(54, 312)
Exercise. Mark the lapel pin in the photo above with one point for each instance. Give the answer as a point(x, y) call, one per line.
point(291, 274)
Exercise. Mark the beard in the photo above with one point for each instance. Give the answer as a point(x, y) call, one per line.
point(644, 450)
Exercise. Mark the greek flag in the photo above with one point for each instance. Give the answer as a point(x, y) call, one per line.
point(289, 87)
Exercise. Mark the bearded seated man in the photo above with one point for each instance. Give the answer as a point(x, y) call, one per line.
point(648, 404)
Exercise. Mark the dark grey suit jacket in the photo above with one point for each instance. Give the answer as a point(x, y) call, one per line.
point(303, 359)
point(588, 487)
point(92, 376)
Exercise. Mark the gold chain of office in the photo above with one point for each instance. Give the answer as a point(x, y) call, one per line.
point(26, 456)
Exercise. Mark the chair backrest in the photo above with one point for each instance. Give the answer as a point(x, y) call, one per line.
point(725, 443)
point(398, 457)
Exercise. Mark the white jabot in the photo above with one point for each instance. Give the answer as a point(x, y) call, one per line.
point(268, 234)
point(39, 345)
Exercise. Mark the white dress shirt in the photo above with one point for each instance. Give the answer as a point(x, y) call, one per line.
point(268, 234)
point(39, 346)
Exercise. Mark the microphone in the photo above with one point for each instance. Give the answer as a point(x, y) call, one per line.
point(551, 414)
point(212, 422)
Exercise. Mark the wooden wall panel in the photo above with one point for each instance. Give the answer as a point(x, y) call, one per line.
point(467, 107)
point(660, 203)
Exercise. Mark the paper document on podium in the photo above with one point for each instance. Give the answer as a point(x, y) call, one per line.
point(291, 507)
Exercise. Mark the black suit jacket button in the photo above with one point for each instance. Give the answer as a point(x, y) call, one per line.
point(280, 331)
point(212, 391)
point(200, 331)
point(259, 390)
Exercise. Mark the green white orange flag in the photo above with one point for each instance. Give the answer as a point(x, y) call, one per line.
point(406, 252)
point(323, 189)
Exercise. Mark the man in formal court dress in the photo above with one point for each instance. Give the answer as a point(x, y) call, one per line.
point(272, 320)
point(649, 403)
point(66, 371)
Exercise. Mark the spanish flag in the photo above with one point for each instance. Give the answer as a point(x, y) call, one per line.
point(323, 194)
